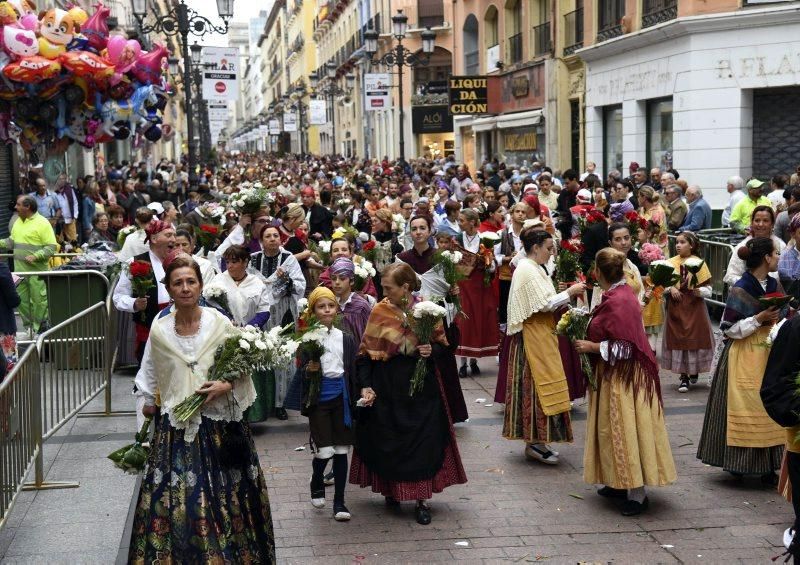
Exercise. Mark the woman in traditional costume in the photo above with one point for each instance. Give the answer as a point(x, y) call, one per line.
point(246, 303)
point(627, 447)
point(619, 238)
point(405, 445)
point(478, 327)
point(202, 500)
point(688, 346)
point(738, 435)
point(285, 285)
point(185, 241)
point(385, 242)
point(420, 258)
point(330, 414)
point(537, 395)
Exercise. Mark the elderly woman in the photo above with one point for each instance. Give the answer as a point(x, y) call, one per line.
point(537, 394)
point(405, 446)
point(100, 232)
point(198, 501)
point(285, 285)
point(626, 439)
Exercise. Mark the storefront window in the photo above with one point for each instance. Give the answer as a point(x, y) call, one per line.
point(523, 146)
point(612, 138)
point(659, 133)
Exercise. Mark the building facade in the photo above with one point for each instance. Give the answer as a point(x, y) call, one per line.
point(708, 88)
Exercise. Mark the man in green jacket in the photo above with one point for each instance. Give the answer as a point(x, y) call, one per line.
point(33, 243)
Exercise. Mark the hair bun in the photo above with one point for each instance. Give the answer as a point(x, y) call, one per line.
point(744, 252)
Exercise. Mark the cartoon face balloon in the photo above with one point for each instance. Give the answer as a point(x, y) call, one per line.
point(86, 64)
point(23, 7)
point(20, 42)
point(8, 15)
point(122, 53)
point(32, 69)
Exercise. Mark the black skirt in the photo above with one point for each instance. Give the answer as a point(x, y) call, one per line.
point(402, 437)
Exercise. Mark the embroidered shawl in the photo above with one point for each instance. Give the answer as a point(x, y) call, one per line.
point(531, 290)
point(388, 333)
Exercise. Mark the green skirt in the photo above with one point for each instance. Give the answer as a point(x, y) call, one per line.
point(264, 405)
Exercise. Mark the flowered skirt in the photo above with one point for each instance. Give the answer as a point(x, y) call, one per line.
point(193, 510)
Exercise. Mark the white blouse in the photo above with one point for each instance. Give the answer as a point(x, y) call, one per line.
point(246, 299)
point(332, 360)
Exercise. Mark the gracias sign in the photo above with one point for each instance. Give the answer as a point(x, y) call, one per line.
point(469, 95)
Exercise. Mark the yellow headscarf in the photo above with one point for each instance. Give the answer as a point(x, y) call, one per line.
point(316, 295)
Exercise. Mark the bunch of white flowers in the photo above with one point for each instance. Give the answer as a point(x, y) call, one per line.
point(302, 304)
point(693, 263)
point(428, 308)
point(249, 199)
point(343, 202)
point(364, 269)
point(490, 238)
point(325, 246)
point(454, 256)
point(663, 262)
point(213, 291)
point(398, 223)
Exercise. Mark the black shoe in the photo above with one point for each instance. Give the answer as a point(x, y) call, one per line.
point(612, 492)
point(280, 413)
point(693, 379)
point(340, 512)
point(423, 514)
point(391, 501)
point(473, 368)
point(684, 386)
point(633, 508)
point(769, 479)
point(317, 494)
point(329, 479)
point(462, 372)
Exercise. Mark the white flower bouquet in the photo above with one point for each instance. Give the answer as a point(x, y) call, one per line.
point(398, 223)
point(363, 271)
point(488, 240)
point(310, 340)
point(249, 199)
point(124, 233)
point(447, 261)
point(425, 316)
point(693, 266)
point(322, 250)
point(213, 211)
point(216, 296)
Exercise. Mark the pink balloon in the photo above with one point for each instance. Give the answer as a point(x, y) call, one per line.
point(123, 52)
point(148, 68)
point(96, 27)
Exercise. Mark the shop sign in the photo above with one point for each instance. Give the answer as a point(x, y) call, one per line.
point(520, 141)
point(377, 91)
point(520, 86)
point(437, 87)
point(469, 95)
point(289, 121)
point(220, 67)
point(317, 113)
point(274, 127)
point(431, 119)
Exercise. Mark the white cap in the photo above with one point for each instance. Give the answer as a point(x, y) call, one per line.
point(439, 173)
point(156, 207)
point(584, 195)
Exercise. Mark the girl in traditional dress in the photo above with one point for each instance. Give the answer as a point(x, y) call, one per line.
point(651, 210)
point(420, 258)
point(355, 308)
point(626, 440)
point(293, 239)
point(248, 304)
point(330, 415)
point(510, 245)
point(344, 246)
point(285, 285)
point(688, 346)
point(195, 504)
point(406, 448)
point(494, 217)
point(386, 244)
point(738, 435)
point(537, 395)
point(478, 327)
point(619, 238)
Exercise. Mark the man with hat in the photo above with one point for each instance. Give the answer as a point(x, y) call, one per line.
point(740, 217)
point(161, 237)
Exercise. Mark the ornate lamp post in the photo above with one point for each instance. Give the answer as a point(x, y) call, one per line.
point(400, 57)
point(297, 96)
point(330, 89)
point(182, 21)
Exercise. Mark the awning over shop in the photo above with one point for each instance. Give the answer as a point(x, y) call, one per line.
point(520, 119)
point(485, 124)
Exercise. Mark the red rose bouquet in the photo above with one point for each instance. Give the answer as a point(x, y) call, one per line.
point(568, 267)
point(635, 224)
point(141, 274)
point(589, 217)
point(207, 235)
point(369, 251)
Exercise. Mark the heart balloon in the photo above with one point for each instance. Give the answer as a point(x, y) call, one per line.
point(148, 68)
point(96, 28)
point(123, 52)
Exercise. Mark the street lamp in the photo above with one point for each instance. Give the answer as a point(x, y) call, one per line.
point(330, 89)
point(400, 57)
point(182, 21)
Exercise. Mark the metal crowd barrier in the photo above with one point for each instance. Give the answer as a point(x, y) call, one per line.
point(20, 428)
point(717, 255)
point(66, 294)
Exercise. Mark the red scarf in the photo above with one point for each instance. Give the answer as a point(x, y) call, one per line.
point(617, 317)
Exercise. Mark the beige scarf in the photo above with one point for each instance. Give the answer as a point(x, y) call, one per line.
point(531, 290)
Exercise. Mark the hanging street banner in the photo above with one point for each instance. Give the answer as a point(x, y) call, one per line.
point(274, 127)
point(377, 91)
point(469, 95)
point(220, 73)
point(218, 111)
point(289, 121)
point(317, 113)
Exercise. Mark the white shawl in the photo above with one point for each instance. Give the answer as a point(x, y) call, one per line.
point(531, 291)
point(246, 299)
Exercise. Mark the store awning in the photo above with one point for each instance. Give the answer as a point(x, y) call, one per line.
point(484, 124)
point(520, 119)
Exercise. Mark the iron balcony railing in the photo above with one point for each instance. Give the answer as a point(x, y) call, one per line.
point(658, 11)
point(540, 39)
point(515, 48)
point(573, 31)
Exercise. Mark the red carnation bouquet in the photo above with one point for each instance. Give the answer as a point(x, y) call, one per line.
point(369, 251)
point(568, 267)
point(774, 300)
point(589, 217)
point(141, 274)
point(207, 235)
point(635, 223)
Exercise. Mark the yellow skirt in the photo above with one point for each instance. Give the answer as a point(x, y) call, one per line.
point(626, 440)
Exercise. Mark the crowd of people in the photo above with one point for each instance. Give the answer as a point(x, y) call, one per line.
point(355, 245)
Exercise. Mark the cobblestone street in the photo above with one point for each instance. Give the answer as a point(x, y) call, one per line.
point(511, 510)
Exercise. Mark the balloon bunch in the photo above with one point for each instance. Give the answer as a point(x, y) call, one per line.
point(64, 79)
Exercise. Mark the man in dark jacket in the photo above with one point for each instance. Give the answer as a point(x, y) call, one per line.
point(320, 219)
point(566, 200)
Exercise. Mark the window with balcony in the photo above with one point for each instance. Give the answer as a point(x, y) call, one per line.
point(573, 29)
point(513, 17)
point(430, 13)
point(540, 39)
point(658, 11)
point(470, 42)
point(610, 13)
point(491, 39)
